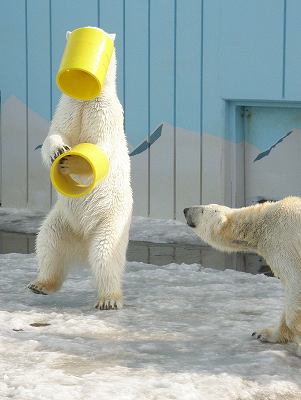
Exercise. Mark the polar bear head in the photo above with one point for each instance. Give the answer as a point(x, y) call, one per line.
point(226, 229)
point(208, 222)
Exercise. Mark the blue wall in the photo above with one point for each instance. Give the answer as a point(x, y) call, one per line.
point(168, 61)
point(179, 62)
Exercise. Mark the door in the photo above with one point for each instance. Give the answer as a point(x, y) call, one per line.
point(272, 153)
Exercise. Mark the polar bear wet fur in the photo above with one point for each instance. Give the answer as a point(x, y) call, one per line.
point(272, 230)
point(93, 228)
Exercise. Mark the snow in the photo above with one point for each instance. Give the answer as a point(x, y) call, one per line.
point(142, 228)
point(20, 220)
point(184, 333)
point(162, 231)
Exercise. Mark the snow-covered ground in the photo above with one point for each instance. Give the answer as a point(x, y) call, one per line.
point(20, 220)
point(184, 333)
point(142, 229)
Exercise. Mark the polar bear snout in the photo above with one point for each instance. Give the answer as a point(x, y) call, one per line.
point(191, 215)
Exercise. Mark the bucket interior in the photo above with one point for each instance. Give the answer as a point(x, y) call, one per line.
point(77, 181)
point(79, 84)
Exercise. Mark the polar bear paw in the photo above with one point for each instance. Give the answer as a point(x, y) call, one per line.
point(36, 288)
point(58, 151)
point(266, 335)
point(74, 165)
point(44, 287)
point(109, 303)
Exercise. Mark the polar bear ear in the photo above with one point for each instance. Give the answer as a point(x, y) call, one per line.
point(68, 33)
point(112, 36)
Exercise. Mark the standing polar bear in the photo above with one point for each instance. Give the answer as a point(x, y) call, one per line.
point(95, 227)
point(272, 230)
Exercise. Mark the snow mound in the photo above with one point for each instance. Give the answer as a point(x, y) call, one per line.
point(142, 228)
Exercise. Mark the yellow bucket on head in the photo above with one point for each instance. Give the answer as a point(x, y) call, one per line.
point(85, 63)
point(94, 164)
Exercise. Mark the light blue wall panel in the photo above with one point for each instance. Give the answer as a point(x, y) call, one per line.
point(13, 49)
point(213, 106)
point(136, 78)
point(39, 100)
point(13, 111)
point(251, 49)
point(188, 102)
point(136, 82)
point(293, 50)
point(188, 64)
point(111, 19)
point(39, 80)
point(162, 106)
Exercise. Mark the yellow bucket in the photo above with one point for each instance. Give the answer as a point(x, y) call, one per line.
point(87, 166)
point(85, 63)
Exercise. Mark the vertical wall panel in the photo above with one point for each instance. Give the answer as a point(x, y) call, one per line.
point(162, 63)
point(213, 107)
point(188, 103)
point(293, 50)
point(111, 19)
point(39, 98)
point(251, 49)
point(13, 93)
point(136, 96)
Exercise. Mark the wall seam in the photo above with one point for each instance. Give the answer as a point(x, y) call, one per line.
point(50, 78)
point(98, 13)
point(284, 49)
point(201, 101)
point(26, 96)
point(175, 115)
point(148, 121)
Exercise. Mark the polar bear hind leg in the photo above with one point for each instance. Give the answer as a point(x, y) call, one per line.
point(296, 328)
point(289, 329)
point(279, 334)
point(57, 247)
point(107, 257)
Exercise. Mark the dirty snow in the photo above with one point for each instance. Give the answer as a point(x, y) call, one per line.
point(184, 333)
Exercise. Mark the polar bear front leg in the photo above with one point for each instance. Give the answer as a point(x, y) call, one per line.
point(107, 257)
point(279, 334)
point(53, 146)
point(56, 246)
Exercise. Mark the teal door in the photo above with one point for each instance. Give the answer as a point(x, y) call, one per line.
point(272, 153)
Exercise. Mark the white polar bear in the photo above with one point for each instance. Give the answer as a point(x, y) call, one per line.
point(272, 230)
point(95, 227)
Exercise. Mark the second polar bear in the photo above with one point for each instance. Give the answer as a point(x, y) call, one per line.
point(95, 227)
point(272, 230)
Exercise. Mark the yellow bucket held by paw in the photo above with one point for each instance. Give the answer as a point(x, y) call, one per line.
point(85, 63)
point(90, 165)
